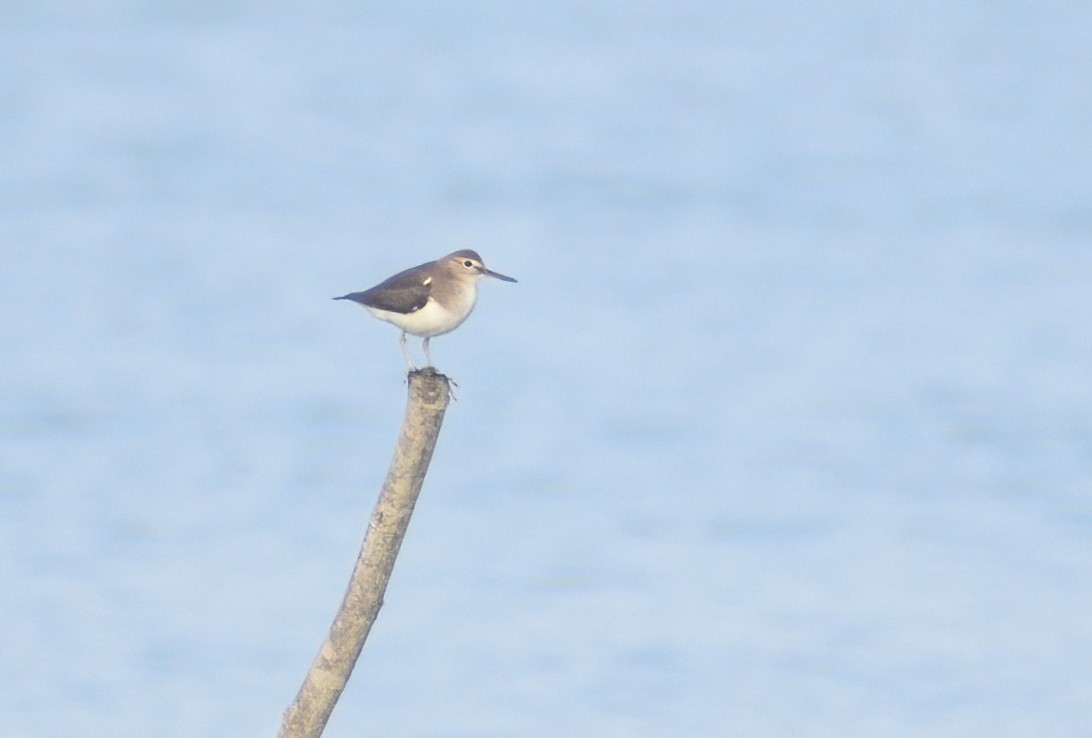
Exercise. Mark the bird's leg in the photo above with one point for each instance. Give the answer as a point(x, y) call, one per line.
point(424, 345)
point(405, 351)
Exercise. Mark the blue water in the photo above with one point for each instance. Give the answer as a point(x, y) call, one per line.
point(786, 429)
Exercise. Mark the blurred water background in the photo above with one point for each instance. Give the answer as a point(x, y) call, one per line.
point(786, 429)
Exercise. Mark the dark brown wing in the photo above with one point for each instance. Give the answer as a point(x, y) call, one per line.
point(405, 292)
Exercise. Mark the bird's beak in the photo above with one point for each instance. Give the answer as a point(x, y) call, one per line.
point(491, 273)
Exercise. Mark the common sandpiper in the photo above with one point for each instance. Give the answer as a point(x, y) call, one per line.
point(430, 299)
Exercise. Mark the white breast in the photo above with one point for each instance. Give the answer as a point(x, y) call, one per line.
point(433, 319)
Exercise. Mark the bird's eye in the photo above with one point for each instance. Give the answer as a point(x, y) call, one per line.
point(468, 263)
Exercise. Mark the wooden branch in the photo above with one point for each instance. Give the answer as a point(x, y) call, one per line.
point(306, 717)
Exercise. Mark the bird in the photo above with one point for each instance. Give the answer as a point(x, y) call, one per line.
point(429, 299)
